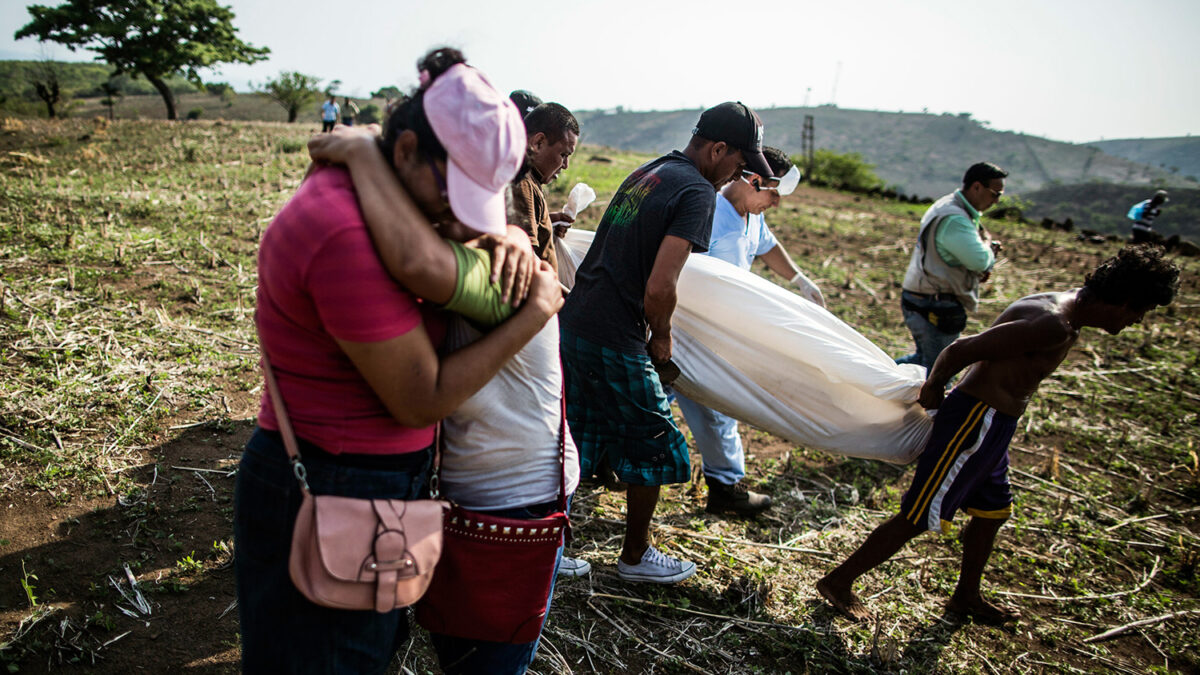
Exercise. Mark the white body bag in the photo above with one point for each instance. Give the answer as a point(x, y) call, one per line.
point(771, 359)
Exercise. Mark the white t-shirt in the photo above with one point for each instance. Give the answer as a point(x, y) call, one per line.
point(501, 445)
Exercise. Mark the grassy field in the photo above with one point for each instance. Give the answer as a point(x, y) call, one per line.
point(129, 382)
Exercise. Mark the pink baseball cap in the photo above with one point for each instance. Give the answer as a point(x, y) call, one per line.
point(484, 138)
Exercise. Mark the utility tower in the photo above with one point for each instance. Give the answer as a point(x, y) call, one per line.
point(806, 145)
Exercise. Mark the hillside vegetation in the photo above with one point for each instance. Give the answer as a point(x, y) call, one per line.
point(76, 81)
point(1179, 155)
point(918, 153)
point(1102, 208)
point(83, 97)
point(129, 382)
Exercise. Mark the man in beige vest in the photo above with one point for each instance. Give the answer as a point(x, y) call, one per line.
point(952, 256)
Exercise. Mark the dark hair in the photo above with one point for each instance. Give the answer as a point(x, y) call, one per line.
point(551, 119)
point(982, 173)
point(777, 160)
point(410, 113)
point(1137, 276)
point(525, 100)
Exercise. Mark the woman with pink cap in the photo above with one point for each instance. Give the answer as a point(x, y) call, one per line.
point(357, 360)
point(501, 449)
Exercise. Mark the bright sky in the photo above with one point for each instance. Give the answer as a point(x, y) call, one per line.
point(1070, 70)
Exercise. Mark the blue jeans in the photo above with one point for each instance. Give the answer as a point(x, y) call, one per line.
point(460, 655)
point(282, 632)
point(717, 439)
point(930, 341)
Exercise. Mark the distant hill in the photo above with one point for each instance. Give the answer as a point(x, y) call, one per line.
point(1102, 208)
point(1179, 155)
point(918, 153)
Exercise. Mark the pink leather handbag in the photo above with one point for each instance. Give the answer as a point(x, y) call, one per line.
point(350, 553)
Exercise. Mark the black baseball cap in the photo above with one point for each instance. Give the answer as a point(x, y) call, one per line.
point(736, 124)
point(525, 100)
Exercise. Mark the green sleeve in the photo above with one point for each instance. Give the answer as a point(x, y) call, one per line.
point(958, 243)
point(475, 296)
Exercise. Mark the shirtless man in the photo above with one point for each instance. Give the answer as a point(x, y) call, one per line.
point(965, 463)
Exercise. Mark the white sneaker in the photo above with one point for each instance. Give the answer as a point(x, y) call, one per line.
point(573, 567)
point(656, 568)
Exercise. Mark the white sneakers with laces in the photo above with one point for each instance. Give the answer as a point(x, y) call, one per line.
point(656, 568)
point(573, 567)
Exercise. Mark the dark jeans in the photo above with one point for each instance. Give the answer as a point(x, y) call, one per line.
point(327, 125)
point(281, 631)
point(460, 655)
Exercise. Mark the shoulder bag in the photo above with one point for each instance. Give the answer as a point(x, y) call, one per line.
point(493, 580)
point(350, 553)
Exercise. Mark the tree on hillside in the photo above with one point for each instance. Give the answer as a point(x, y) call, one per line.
point(47, 87)
point(293, 91)
point(388, 93)
point(151, 38)
point(112, 92)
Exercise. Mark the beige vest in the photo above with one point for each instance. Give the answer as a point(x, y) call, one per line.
point(927, 272)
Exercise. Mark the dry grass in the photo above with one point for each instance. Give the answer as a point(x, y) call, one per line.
point(127, 255)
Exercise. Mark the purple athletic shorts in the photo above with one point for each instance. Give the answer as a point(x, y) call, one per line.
point(964, 465)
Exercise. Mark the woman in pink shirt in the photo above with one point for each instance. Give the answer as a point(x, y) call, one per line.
point(356, 357)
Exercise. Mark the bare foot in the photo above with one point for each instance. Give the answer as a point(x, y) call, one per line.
point(983, 611)
point(843, 600)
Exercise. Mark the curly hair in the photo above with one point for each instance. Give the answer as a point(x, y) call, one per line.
point(1138, 276)
point(778, 160)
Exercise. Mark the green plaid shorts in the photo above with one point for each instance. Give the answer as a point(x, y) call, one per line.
point(616, 408)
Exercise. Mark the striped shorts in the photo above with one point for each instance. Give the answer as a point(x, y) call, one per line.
point(617, 409)
point(964, 465)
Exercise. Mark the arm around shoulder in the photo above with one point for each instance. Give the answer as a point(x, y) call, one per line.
point(419, 388)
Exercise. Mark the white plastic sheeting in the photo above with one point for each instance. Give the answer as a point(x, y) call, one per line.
point(771, 359)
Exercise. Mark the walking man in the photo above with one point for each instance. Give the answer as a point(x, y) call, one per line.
point(952, 256)
point(1143, 214)
point(329, 114)
point(739, 236)
point(965, 463)
point(625, 291)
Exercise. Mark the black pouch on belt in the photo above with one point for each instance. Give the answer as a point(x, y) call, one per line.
point(949, 320)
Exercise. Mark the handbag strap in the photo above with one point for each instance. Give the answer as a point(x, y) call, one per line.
point(293, 448)
point(285, 425)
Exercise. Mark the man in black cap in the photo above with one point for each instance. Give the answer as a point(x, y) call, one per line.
point(625, 290)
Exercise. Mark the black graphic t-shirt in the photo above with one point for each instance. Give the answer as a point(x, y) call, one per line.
point(667, 196)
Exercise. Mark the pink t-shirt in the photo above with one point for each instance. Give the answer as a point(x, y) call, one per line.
point(319, 278)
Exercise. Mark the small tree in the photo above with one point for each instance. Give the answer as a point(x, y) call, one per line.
point(150, 38)
point(847, 171)
point(47, 87)
point(112, 92)
point(388, 93)
point(293, 91)
point(222, 90)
